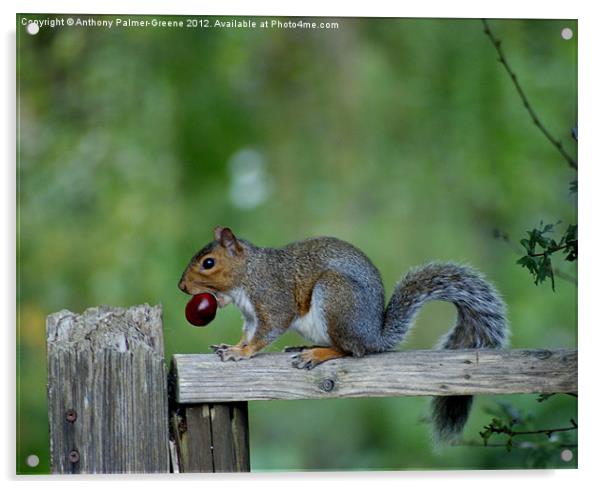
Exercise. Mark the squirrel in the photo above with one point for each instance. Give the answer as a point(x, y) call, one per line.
point(330, 293)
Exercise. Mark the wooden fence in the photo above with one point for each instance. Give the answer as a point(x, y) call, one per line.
point(113, 409)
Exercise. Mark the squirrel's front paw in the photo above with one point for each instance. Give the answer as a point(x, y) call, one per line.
point(227, 352)
point(218, 348)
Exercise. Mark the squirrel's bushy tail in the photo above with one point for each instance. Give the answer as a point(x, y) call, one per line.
point(481, 323)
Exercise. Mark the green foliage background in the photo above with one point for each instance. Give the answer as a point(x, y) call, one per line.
point(402, 136)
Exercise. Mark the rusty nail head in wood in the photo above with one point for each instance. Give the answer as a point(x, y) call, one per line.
point(71, 415)
point(73, 456)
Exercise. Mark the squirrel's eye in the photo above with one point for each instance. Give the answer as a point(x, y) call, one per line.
point(208, 263)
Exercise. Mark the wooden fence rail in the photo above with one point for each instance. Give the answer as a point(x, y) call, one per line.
point(205, 378)
point(112, 409)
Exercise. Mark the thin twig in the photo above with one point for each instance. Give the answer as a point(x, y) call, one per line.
point(550, 251)
point(497, 44)
point(548, 432)
point(528, 445)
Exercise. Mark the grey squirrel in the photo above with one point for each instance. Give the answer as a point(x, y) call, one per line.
point(330, 293)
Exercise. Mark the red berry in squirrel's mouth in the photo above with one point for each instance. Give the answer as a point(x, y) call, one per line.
point(201, 309)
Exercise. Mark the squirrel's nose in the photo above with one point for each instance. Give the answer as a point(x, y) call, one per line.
point(182, 286)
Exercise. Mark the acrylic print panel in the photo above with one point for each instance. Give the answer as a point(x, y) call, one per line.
point(416, 140)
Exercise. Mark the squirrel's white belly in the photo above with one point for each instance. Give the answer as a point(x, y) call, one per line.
point(313, 325)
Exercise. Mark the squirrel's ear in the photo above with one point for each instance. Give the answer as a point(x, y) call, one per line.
point(229, 241)
point(217, 233)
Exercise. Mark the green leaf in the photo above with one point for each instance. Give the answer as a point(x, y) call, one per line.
point(525, 243)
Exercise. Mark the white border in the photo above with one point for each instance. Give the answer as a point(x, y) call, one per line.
point(589, 190)
point(373, 8)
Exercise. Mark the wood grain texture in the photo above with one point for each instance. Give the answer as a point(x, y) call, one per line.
point(205, 378)
point(212, 437)
point(107, 392)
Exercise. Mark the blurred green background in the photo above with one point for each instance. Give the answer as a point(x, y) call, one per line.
point(402, 136)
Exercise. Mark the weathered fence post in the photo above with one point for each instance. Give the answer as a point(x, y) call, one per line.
point(107, 391)
point(209, 437)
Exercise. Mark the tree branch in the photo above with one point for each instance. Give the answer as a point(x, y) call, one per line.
point(506, 430)
point(524, 445)
point(550, 251)
point(547, 432)
point(500, 234)
point(497, 44)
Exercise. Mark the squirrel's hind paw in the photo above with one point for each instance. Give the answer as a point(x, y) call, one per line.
point(311, 357)
point(299, 361)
